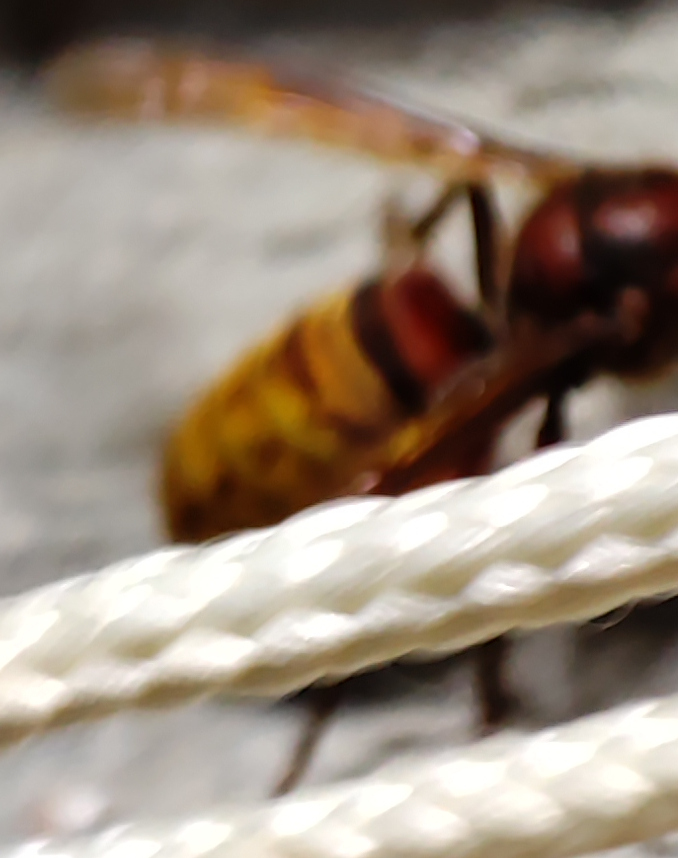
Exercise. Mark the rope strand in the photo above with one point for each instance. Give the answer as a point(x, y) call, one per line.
point(603, 781)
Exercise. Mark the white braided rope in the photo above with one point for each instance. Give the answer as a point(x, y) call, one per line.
point(603, 781)
point(567, 535)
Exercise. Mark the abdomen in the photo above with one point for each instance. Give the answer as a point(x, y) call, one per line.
point(303, 416)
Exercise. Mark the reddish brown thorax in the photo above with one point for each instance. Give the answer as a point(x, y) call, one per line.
point(608, 243)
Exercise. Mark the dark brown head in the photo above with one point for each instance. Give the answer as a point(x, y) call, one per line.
point(606, 243)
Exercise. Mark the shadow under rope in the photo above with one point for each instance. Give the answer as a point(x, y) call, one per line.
point(648, 630)
point(624, 656)
point(33, 30)
point(393, 681)
point(629, 661)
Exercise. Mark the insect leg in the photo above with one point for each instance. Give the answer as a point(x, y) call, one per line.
point(551, 432)
point(486, 225)
point(494, 697)
point(421, 229)
point(487, 234)
point(552, 429)
point(404, 239)
point(323, 704)
point(496, 700)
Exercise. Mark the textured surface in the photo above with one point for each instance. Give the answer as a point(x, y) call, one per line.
point(568, 535)
point(603, 781)
point(135, 263)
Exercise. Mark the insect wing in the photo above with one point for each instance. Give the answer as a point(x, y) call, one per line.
point(142, 80)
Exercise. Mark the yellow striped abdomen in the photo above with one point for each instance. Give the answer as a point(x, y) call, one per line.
point(296, 422)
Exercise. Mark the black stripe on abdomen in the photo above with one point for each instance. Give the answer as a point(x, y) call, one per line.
point(374, 337)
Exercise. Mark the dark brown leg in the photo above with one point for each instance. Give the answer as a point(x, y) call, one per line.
point(322, 705)
point(404, 239)
point(495, 698)
point(422, 228)
point(552, 429)
point(486, 226)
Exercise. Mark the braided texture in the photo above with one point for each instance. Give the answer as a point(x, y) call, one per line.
point(603, 781)
point(567, 535)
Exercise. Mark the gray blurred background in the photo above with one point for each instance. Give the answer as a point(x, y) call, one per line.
point(136, 262)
